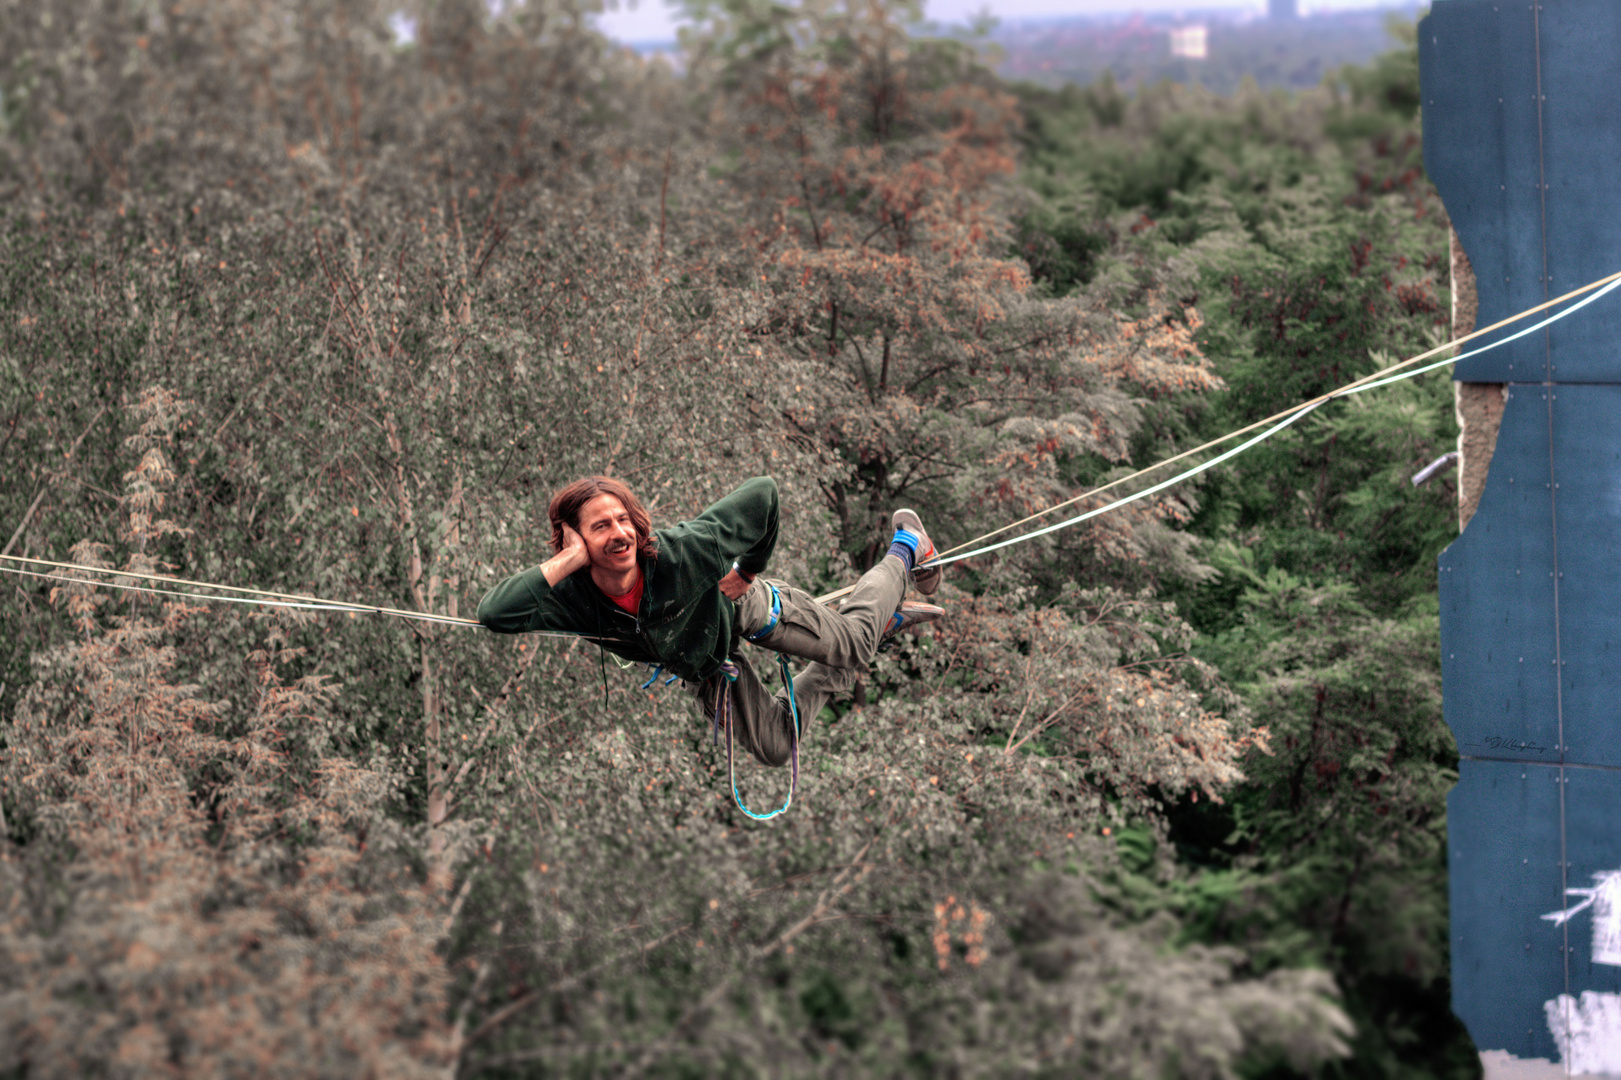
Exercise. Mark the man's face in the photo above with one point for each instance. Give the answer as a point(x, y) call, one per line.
point(610, 538)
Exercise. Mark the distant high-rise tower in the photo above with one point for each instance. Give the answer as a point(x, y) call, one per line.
point(1283, 9)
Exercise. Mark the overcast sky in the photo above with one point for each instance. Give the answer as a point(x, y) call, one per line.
point(651, 20)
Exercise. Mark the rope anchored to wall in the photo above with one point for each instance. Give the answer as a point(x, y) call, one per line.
point(1278, 421)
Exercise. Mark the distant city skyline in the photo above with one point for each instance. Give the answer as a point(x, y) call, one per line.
point(653, 20)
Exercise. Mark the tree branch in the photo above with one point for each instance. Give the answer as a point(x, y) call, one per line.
point(496, 1020)
point(837, 889)
point(45, 487)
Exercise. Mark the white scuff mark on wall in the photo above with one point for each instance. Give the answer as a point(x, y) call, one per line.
point(1502, 1065)
point(1605, 900)
point(1587, 1031)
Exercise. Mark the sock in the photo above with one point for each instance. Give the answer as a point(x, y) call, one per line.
point(905, 547)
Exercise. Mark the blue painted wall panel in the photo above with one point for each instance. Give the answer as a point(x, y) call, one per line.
point(1517, 96)
point(1592, 811)
point(1494, 135)
point(1509, 961)
point(1497, 611)
point(1581, 44)
point(1503, 859)
point(1478, 72)
point(1587, 455)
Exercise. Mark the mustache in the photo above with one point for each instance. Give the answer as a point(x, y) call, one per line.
point(616, 546)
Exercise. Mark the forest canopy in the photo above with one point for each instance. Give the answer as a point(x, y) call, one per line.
point(288, 304)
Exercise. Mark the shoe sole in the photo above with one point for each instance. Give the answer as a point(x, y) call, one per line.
point(919, 615)
point(913, 614)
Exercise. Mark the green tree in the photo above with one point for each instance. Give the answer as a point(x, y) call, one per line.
point(1316, 250)
point(405, 292)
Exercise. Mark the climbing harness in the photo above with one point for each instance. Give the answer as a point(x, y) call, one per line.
point(657, 670)
point(730, 670)
point(776, 615)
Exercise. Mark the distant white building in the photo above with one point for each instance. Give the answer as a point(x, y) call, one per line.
point(1191, 42)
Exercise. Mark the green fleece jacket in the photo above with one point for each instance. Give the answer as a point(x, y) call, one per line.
point(684, 623)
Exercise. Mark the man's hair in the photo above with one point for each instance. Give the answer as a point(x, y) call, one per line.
point(567, 504)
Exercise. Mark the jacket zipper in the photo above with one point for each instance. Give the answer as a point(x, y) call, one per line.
point(647, 594)
point(636, 619)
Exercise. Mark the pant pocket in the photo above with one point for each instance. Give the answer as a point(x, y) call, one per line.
point(754, 608)
point(811, 634)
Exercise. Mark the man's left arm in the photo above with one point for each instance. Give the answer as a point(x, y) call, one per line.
point(743, 526)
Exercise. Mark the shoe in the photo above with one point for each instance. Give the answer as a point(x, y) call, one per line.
point(911, 613)
point(928, 578)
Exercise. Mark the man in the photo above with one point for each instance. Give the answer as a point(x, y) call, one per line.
point(683, 597)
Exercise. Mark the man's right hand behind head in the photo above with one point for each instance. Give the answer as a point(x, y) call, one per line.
point(571, 558)
point(573, 542)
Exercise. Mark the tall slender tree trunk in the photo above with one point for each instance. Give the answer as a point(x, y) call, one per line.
point(438, 806)
point(422, 597)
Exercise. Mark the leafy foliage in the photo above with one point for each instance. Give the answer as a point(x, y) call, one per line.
point(180, 903)
point(290, 305)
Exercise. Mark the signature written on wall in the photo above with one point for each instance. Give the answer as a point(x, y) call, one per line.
point(1501, 742)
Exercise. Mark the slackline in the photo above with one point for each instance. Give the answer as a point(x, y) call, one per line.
point(180, 587)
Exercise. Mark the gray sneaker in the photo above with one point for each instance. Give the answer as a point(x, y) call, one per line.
point(927, 579)
point(910, 614)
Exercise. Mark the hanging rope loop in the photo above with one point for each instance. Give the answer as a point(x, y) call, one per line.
point(723, 716)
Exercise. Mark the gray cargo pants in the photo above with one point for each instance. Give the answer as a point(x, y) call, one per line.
point(840, 644)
